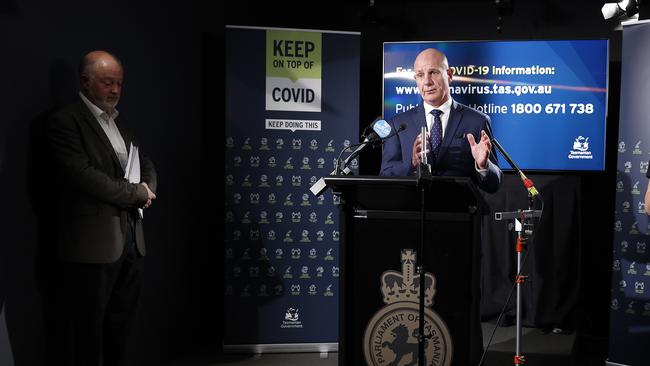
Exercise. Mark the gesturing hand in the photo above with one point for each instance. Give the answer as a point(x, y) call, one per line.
point(480, 150)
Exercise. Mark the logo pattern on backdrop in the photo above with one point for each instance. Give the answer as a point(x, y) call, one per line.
point(281, 226)
point(631, 264)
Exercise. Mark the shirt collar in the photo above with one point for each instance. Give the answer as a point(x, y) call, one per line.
point(445, 107)
point(99, 113)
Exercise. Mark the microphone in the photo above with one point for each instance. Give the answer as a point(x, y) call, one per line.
point(401, 128)
point(528, 184)
point(381, 131)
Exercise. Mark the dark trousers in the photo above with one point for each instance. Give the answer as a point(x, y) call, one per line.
point(99, 303)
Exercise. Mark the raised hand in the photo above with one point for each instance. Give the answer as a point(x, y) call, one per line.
point(480, 150)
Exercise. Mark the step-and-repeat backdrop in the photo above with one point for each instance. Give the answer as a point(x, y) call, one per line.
point(292, 105)
point(630, 302)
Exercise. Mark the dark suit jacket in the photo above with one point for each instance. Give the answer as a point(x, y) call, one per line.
point(93, 196)
point(455, 156)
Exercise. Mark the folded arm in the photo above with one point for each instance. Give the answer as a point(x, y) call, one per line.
point(70, 156)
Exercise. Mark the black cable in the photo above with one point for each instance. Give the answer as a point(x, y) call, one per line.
point(338, 160)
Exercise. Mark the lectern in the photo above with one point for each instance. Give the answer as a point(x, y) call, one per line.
point(380, 231)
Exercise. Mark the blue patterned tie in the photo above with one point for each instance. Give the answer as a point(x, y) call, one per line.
point(436, 132)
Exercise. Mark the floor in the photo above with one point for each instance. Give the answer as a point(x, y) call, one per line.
point(540, 348)
point(289, 359)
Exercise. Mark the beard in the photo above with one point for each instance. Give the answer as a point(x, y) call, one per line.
point(107, 104)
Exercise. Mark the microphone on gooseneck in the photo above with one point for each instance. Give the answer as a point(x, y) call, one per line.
point(381, 130)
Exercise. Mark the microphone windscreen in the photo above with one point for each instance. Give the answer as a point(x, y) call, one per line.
point(382, 128)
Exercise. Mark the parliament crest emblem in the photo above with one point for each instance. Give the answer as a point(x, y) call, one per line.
point(391, 334)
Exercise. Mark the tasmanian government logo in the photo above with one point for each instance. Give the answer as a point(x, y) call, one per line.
point(580, 149)
point(292, 315)
point(291, 319)
point(391, 334)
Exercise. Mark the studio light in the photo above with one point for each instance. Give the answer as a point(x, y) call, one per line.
point(623, 10)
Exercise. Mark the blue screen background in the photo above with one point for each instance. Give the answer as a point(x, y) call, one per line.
point(543, 135)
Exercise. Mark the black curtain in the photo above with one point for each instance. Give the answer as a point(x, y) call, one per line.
point(550, 293)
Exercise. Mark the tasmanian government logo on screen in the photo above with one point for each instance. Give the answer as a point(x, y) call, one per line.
point(293, 70)
point(580, 149)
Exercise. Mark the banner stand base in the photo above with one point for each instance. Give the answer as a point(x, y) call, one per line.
point(322, 348)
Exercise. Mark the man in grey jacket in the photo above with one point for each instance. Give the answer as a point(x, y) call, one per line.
point(100, 237)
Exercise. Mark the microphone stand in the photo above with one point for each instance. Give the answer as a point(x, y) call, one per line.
point(341, 166)
point(424, 178)
point(524, 232)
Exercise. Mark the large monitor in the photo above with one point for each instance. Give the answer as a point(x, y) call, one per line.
point(547, 99)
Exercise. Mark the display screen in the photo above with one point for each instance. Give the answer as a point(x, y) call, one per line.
point(547, 99)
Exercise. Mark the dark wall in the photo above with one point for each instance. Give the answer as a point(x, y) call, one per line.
point(159, 44)
point(173, 58)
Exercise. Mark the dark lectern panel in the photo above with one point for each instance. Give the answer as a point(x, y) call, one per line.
point(379, 219)
point(402, 193)
point(376, 247)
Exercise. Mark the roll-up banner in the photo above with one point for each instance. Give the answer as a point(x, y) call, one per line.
point(292, 105)
point(630, 303)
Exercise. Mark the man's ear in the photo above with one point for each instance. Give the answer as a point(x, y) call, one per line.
point(84, 80)
point(450, 74)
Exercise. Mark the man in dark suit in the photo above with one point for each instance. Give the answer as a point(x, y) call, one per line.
point(100, 237)
point(452, 131)
point(450, 144)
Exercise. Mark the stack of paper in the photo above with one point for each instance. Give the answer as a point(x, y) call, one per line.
point(132, 171)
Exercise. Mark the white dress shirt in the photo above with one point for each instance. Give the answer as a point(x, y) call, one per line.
point(444, 117)
point(107, 122)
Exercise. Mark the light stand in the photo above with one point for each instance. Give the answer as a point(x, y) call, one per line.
point(525, 229)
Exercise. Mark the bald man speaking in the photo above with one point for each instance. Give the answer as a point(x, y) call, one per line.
point(457, 142)
point(100, 237)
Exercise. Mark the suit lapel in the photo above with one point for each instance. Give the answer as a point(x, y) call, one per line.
point(94, 124)
point(413, 131)
point(414, 123)
point(421, 120)
point(455, 116)
point(417, 123)
point(126, 136)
